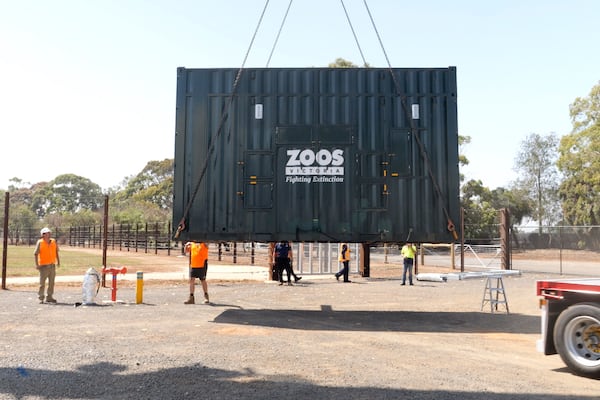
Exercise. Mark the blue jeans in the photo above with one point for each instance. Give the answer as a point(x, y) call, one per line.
point(408, 264)
point(345, 271)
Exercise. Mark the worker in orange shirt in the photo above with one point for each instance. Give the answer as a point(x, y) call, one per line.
point(46, 260)
point(198, 263)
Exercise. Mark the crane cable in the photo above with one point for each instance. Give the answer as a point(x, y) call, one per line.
point(279, 32)
point(224, 115)
point(450, 224)
point(354, 34)
point(227, 106)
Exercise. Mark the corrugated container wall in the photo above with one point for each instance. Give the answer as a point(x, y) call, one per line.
point(316, 154)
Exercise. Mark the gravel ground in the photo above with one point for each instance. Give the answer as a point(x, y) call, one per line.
point(370, 339)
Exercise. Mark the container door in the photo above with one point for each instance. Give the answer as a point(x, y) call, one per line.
point(314, 182)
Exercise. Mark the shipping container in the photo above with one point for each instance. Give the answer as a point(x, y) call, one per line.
point(364, 155)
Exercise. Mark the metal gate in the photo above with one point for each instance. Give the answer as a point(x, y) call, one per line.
point(322, 258)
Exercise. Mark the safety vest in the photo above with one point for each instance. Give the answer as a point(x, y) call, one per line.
point(345, 255)
point(198, 255)
point(47, 252)
point(408, 251)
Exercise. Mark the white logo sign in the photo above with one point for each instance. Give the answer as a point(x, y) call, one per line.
point(306, 166)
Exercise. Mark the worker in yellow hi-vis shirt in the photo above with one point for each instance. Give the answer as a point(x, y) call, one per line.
point(408, 253)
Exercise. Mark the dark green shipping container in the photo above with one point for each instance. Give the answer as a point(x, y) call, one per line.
point(316, 154)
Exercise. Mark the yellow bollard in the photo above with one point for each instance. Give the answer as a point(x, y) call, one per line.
point(139, 288)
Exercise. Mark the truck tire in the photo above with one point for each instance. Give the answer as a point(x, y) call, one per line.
point(577, 338)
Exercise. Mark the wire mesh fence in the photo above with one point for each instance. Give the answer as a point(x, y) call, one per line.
point(557, 249)
point(567, 250)
point(564, 250)
point(148, 237)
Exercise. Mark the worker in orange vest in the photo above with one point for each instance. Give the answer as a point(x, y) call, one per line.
point(198, 263)
point(46, 259)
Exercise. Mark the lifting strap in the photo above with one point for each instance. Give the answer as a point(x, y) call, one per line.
point(224, 115)
point(450, 224)
point(226, 107)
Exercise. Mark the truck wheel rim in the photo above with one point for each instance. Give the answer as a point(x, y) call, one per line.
point(582, 339)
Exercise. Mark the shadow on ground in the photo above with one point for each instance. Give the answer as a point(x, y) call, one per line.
point(106, 380)
point(392, 321)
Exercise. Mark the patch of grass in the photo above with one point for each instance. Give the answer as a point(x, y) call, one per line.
point(20, 261)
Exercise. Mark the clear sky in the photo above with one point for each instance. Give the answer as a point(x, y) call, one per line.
point(88, 87)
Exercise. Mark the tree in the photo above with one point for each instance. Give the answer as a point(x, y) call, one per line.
point(515, 200)
point(482, 205)
point(136, 212)
point(480, 215)
point(536, 165)
point(585, 112)
point(462, 159)
point(341, 63)
point(66, 193)
point(21, 195)
point(17, 183)
point(21, 220)
point(146, 197)
point(154, 185)
point(579, 162)
point(83, 218)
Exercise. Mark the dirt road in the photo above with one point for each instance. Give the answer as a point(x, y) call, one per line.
point(370, 339)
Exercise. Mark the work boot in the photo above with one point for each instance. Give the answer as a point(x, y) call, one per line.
point(206, 301)
point(190, 300)
point(50, 299)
